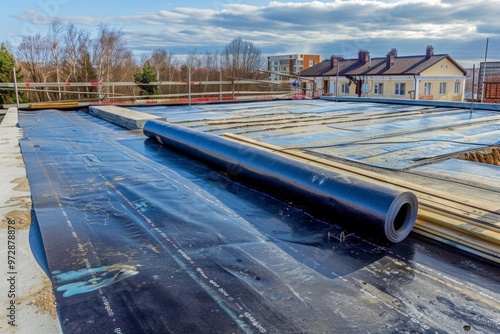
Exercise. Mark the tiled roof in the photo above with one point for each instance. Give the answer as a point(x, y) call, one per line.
point(406, 65)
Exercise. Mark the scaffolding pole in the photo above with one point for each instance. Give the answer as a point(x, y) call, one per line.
point(484, 70)
point(15, 86)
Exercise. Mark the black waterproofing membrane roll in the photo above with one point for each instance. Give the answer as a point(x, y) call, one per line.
point(388, 212)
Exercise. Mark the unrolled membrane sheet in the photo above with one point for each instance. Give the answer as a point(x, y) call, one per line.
point(142, 239)
point(388, 212)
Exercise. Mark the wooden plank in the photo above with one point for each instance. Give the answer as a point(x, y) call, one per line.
point(53, 105)
point(463, 239)
point(457, 244)
point(460, 226)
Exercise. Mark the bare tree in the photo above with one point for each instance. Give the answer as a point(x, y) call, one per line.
point(77, 43)
point(164, 63)
point(85, 72)
point(125, 70)
point(194, 66)
point(109, 54)
point(54, 39)
point(242, 59)
point(68, 54)
point(208, 70)
point(33, 53)
point(166, 67)
point(77, 64)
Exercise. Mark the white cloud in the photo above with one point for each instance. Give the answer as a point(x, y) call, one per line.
point(197, 13)
point(34, 17)
point(240, 9)
point(324, 27)
point(160, 18)
point(40, 18)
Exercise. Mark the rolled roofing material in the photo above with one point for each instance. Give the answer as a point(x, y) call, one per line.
point(389, 212)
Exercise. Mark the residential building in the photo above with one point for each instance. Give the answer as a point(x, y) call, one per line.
point(491, 72)
point(290, 64)
point(420, 77)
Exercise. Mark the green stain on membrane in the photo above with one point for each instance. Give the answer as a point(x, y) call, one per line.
point(80, 281)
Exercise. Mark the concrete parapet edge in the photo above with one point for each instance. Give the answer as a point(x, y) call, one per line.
point(31, 303)
point(428, 103)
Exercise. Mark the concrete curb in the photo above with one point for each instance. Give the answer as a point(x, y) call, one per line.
point(27, 303)
point(124, 117)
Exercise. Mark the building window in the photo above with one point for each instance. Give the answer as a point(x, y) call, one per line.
point(311, 62)
point(457, 88)
point(427, 88)
point(400, 89)
point(275, 68)
point(378, 89)
point(345, 88)
point(442, 88)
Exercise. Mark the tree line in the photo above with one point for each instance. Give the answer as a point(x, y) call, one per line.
point(68, 54)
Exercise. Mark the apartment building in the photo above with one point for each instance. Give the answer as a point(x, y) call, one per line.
point(290, 65)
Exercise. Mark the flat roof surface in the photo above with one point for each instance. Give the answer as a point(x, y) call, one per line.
point(140, 238)
point(393, 136)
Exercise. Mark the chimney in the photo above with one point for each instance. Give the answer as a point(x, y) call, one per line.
point(335, 59)
point(391, 57)
point(429, 51)
point(363, 56)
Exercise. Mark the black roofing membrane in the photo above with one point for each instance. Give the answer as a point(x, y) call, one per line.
point(386, 211)
point(141, 239)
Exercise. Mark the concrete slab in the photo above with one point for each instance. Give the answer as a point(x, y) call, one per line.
point(27, 299)
point(124, 117)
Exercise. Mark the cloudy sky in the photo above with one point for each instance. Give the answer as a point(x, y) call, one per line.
point(456, 27)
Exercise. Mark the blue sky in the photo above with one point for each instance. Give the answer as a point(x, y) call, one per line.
point(456, 27)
